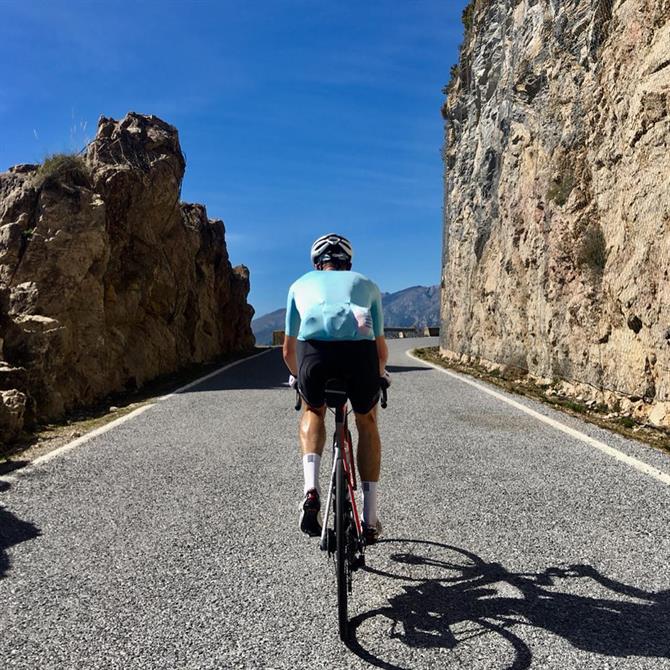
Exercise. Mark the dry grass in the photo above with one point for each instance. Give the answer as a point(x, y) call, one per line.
point(592, 249)
point(62, 168)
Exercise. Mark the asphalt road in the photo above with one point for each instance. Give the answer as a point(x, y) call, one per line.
point(171, 541)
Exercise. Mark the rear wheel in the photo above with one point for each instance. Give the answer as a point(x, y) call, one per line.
point(341, 535)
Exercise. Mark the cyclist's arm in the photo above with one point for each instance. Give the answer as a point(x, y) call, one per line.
point(382, 352)
point(290, 355)
point(291, 330)
point(378, 329)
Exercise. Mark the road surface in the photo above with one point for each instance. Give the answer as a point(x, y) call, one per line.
point(171, 540)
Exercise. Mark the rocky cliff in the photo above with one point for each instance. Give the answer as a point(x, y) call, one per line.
point(107, 279)
point(557, 195)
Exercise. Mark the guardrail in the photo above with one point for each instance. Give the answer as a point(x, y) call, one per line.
point(399, 333)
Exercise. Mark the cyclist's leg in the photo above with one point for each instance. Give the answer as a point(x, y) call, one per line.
point(312, 430)
point(369, 446)
point(369, 463)
point(312, 441)
point(364, 395)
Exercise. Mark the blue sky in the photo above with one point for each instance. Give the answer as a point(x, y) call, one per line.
point(297, 117)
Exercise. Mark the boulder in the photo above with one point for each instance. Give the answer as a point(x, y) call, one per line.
point(660, 415)
point(107, 279)
point(12, 409)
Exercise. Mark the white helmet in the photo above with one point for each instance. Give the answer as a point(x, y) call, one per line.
point(331, 247)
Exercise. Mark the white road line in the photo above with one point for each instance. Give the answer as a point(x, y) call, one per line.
point(122, 419)
point(611, 451)
point(86, 437)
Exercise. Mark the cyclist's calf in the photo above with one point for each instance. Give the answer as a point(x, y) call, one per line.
point(313, 430)
point(369, 446)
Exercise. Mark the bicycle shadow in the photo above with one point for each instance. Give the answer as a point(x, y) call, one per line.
point(462, 591)
point(395, 369)
point(12, 531)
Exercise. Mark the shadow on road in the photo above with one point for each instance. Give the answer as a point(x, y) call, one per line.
point(406, 368)
point(449, 598)
point(12, 531)
point(10, 465)
point(266, 372)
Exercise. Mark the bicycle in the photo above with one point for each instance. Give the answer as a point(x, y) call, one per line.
point(345, 540)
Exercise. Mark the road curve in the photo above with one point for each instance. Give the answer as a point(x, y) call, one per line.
point(171, 541)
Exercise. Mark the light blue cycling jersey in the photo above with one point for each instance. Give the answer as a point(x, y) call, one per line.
point(334, 305)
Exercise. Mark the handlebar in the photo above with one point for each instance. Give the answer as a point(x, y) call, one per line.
point(383, 384)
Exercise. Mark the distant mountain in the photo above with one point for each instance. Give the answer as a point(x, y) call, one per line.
point(264, 325)
point(415, 306)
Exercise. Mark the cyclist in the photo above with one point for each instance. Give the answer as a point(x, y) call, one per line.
point(335, 328)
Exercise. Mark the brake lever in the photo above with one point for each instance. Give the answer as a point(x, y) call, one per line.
point(384, 389)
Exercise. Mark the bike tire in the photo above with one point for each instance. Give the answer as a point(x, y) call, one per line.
point(341, 549)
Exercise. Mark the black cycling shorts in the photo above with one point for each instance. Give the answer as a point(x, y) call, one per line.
point(354, 361)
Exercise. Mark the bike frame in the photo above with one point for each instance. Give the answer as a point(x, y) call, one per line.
point(346, 541)
point(342, 450)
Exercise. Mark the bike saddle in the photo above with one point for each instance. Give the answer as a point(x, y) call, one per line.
point(336, 392)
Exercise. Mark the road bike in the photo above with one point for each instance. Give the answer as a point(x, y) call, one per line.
point(344, 540)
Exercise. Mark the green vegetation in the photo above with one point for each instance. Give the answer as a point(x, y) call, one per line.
point(28, 233)
point(454, 73)
point(592, 249)
point(560, 189)
point(468, 16)
point(62, 168)
point(574, 406)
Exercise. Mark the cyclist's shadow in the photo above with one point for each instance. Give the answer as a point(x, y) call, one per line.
point(447, 591)
point(12, 531)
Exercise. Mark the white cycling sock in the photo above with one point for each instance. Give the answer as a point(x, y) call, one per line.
point(370, 503)
point(310, 468)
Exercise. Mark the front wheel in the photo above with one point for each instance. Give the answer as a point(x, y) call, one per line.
point(341, 549)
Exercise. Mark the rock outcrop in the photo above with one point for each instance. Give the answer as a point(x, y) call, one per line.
point(107, 279)
point(557, 195)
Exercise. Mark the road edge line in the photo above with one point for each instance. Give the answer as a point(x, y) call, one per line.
point(633, 462)
point(85, 438)
point(122, 419)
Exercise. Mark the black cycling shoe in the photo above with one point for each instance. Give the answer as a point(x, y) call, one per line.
point(371, 534)
point(310, 514)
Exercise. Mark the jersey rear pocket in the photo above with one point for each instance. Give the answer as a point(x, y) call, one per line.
point(339, 321)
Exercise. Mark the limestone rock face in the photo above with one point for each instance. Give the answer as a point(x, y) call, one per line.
point(107, 279)
point(557, 193)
